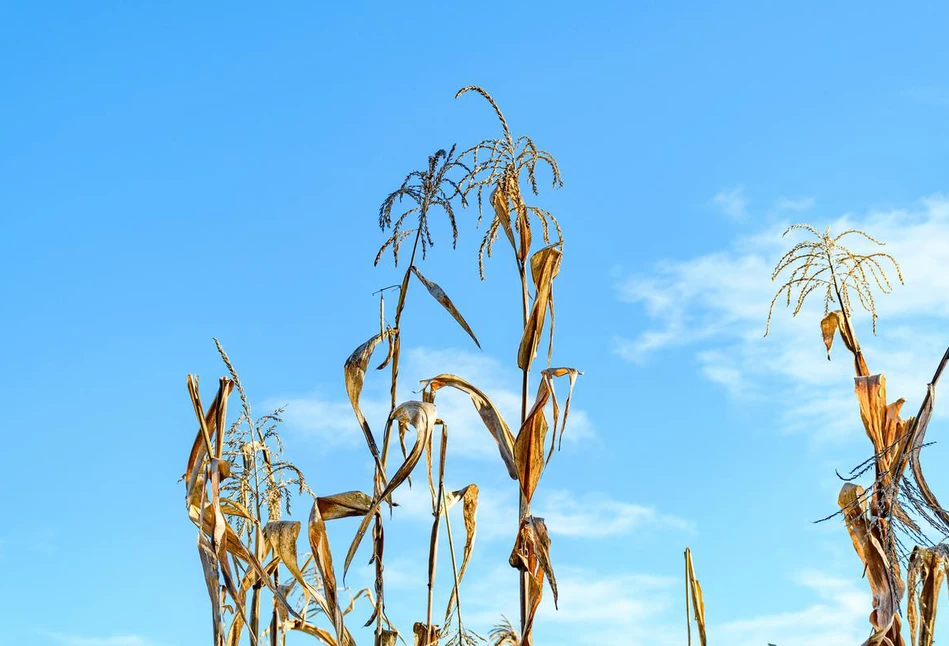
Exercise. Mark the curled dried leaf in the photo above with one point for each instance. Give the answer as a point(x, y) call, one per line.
point(885, 584)
point(355, 375)
point(529, 445)
point(469, 495)
point(488, 412)
point(343, 505)
point(545, 264)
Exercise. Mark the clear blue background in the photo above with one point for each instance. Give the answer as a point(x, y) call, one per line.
point(172, 172)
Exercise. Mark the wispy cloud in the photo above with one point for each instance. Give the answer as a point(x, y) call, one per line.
point(798, 204)
point(642, 609)
point(732, 202)
point(606, 609)
point(588, 516)
point(717, 303)
point(837, 617)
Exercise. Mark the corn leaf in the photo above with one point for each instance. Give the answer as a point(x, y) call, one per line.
point(439, 295)
point(545, 264)
point(488, 412)
point(343, 505)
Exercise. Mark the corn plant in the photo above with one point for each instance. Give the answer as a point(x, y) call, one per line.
point(238, 486)
point(875, 518)
point(500, 165)
point(244, 543)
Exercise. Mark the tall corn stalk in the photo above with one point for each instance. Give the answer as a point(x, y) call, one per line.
point(823, 264)
point(500, 165)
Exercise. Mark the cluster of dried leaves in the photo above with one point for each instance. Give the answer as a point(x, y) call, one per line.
point(899, 501)
point(234, 496)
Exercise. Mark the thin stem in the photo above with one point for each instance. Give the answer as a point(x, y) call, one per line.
point(433, 546)
point(688, 617)
point(524, 509)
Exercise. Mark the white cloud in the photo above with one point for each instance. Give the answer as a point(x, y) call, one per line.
point(732, 203)
point(606, 609)
point(837, 617)
point(116, 640)
point(717, 304)
point(597, 516)
point(798, 204)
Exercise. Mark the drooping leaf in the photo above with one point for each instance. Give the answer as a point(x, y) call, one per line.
point(545, 264)
point(488, 412)
point(886, 586)
point(469, 496)
point(439, 295)
point(343, 505)
point(355, 374)
point(927, 570)
point(529, 445)
point(531, 554)
point(323, 557)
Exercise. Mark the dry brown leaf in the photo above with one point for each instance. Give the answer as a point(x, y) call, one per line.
point(323, 557)
point(388, 638)
point(281, 537)
point(210, 568)
point(927, 570)
point(469, 495)
point(426, 635)
point(314, 631)
point(531, 554)
point(421, 416)
point(698, 603)
point(488, 412)
point(343, 505)
point(439, 295)
point(355, 375)
point(545, 264)
point(885, 584)
point(529, 445)
point(503, 214)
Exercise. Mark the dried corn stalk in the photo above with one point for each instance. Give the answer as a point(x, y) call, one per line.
point(871, 517)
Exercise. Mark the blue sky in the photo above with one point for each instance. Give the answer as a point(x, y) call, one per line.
point(174, 172)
